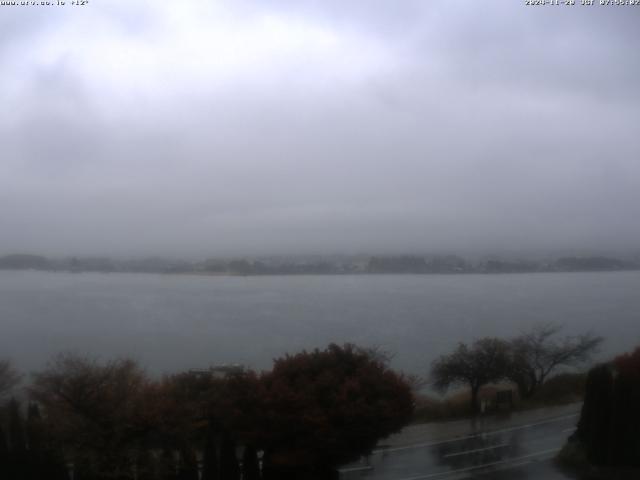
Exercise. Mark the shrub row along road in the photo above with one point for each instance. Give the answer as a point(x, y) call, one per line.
point(499, 447)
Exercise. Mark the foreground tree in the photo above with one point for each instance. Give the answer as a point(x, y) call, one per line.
point(538, 353)
point(329, 407)
point(96, 411)
point(607, 433)
point(9, 378)
point(485, 361)
point(211, 412)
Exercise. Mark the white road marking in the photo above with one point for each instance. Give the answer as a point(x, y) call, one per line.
point(493, 447)
point(355, 469)
point(468, 437)
point(512, 462)
point(499, 468)
point(572, 429)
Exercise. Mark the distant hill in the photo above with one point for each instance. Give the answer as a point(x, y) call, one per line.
point(593, 264)
point(317, 265)
point(24, 262)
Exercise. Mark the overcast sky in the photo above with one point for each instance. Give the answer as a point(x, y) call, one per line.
point(203, 128)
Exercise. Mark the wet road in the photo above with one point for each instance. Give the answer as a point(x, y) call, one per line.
point(490, 448)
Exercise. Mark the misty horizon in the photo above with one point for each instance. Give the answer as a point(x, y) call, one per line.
point(277, 128)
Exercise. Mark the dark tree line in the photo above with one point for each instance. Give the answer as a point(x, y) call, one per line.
point(610, 419)
point(109, 420)
point(27, 451)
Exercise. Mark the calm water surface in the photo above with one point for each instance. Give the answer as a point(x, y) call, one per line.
point(177, 322)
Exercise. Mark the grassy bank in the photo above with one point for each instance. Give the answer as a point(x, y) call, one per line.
point(562, 389)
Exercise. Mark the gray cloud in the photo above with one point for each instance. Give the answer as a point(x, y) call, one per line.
point(268, 127)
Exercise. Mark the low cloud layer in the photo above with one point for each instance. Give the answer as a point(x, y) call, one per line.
point(228, 127)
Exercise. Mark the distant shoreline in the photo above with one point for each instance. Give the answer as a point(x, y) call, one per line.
point(320, 265)
point(348, 274)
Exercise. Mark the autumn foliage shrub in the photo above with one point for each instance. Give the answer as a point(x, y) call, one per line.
point(328, 407)
point(312, 412)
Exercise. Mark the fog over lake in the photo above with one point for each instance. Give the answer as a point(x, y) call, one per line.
point(242, 127)
point(176, 322)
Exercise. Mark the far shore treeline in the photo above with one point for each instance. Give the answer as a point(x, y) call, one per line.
point(320, 265)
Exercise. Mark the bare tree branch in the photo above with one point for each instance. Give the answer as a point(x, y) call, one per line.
point(537, 353)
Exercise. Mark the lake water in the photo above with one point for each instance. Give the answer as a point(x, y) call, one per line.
point(173, 322)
